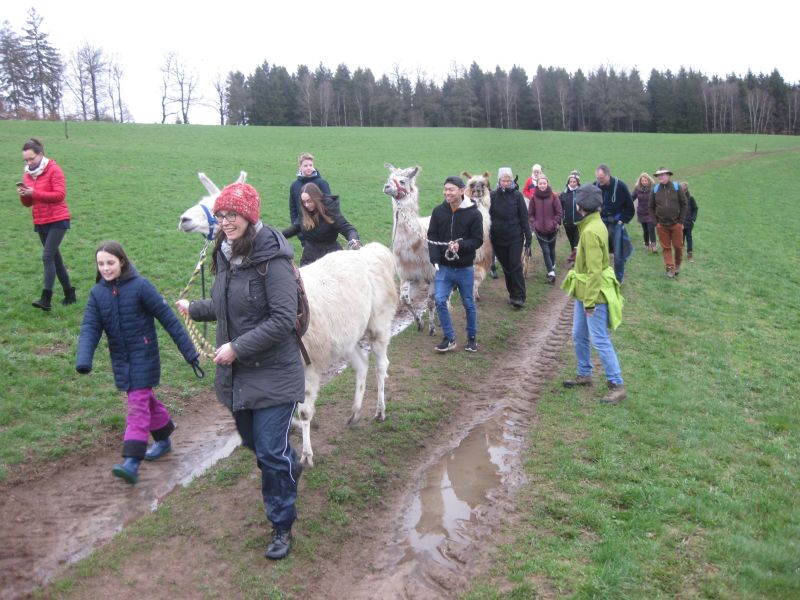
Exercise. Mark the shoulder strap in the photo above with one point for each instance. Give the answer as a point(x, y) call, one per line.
point(655, 189)
point(675, 185)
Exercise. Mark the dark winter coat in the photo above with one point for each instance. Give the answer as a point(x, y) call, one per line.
point(509, 217)
point(569, 209)
point(617, 202)
point(668, 204)
point(49, 199)
point(321, 240)
point(691, 212)
point(642, 198)
point(294, 192)
point(545, 213)
point(465, 225)
point(124, 309)
point(256, 313)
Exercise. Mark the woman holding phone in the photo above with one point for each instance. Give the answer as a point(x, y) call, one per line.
point(44, 190)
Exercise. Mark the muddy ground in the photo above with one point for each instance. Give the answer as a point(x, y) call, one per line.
point(427, 538)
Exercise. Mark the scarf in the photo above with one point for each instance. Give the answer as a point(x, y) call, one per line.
point(38, 170)
point(227, 247)
point(543, 195)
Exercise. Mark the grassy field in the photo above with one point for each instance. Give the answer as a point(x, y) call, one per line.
point(686, 490)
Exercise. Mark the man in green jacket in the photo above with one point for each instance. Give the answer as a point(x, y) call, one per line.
point(598, 302)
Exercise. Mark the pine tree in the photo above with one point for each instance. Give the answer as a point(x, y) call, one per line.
point(44, 65)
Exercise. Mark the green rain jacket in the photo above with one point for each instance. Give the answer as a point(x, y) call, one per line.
point(592, 281)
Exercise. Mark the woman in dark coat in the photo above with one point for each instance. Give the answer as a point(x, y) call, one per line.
point(260, 376)
point(510, 232)
point(571, 214)
point(321, 222)
point(688, 222)
point(641, 195)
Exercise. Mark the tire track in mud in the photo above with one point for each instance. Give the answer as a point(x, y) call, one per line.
point(468, 483)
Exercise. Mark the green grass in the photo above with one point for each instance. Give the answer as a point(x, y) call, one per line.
point(689, 488)
point(686, 490)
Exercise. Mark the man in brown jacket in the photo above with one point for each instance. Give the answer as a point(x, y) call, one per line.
point(668, 205)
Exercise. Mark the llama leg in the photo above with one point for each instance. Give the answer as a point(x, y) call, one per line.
point(360, 363)
point(431, 316)
point(305, 413)
point(379, 347)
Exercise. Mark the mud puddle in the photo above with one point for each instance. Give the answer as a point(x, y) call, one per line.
point(58, 520)
point(450, 517)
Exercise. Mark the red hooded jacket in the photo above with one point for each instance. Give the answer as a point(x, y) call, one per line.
point(49, 195)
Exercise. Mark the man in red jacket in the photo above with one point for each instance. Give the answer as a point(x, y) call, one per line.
point(43, 188)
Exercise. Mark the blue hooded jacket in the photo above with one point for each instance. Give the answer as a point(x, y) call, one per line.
point(125, 310)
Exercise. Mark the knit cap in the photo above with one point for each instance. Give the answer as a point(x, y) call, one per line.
point(504, 172)
point(241, 198)
point(456, 181)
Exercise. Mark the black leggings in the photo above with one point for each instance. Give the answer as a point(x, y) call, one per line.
point(649, 233)
point(51, 257)
point(510, 258)
point(687, 237)
point(548, 250)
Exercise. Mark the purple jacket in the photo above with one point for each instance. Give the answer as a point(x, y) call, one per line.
point(642, 198)
point(545, 214)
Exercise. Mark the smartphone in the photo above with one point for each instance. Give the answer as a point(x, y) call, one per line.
point(20, 184)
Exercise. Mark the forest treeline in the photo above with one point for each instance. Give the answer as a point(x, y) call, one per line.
point(36, 81)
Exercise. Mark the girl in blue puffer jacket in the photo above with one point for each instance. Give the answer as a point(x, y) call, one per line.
point(123, 305)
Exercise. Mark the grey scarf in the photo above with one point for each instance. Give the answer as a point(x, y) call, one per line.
point(38, 170)
point(227, 247)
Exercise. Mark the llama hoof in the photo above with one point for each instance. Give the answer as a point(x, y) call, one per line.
point(379, 417)
point(354, 418)
point(307, 460)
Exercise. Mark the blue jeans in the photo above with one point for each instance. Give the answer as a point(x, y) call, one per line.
point(464, 279)
point(593, 331)
point(266, 432)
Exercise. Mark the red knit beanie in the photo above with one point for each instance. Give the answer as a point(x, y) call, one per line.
point(241, 198)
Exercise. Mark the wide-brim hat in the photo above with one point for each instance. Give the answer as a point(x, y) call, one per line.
point(662, 171)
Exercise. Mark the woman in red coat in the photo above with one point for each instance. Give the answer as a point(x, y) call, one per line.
point(43, 188)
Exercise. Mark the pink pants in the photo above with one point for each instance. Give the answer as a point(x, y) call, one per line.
point(145, 414)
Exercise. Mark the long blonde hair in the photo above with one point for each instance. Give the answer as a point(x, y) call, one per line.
point(647, 176)
point(311, 220)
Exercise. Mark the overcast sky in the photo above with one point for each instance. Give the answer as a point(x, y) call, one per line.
point(426, 37)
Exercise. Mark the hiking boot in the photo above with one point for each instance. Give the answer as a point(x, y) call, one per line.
point(472, 345)
point(551, 277)
point(446, 345)
point(69, 296)
point(516, 302)
point(670, 273)
point(653, 248)
point(616, 392)
point(579, 381)
point(128, 470)
point(45, 301)
point(158, 449)
point(280, 545)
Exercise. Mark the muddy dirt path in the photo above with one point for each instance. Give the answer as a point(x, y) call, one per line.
point(446, 522)
point(59, 518)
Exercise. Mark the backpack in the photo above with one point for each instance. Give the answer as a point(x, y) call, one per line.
point(303, 311)
point(658, 185)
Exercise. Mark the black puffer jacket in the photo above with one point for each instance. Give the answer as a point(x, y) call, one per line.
point(509, 217)
point(569, 209)
point(256, 313)
point(465, 224)
point(322, 239)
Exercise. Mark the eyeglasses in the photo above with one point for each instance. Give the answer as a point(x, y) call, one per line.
point(230, 217)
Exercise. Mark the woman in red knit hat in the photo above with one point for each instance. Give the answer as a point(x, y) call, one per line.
point(44, 190)
point(260, 375)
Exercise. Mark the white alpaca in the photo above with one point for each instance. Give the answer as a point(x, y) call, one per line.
point(409, 243)
point(479, 192)
point(352, 295)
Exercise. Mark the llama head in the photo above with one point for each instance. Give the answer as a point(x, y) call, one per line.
point(478, 189)
point(401, 185)
point(198, 218)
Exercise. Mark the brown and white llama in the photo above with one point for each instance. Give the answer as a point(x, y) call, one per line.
point(410, 245)
point(479, 192)
point(352, 297)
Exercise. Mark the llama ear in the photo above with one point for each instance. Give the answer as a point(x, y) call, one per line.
point(242, 177)
point(390, 166)
point(414, 171)
point(486, 175)
point(465, 174)
point(211, 188)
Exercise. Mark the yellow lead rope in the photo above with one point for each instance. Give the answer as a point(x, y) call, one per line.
point(203, 346)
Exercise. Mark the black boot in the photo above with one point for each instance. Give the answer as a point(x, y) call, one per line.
point(44, 301)
point(69, 296)
point(280, 545)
